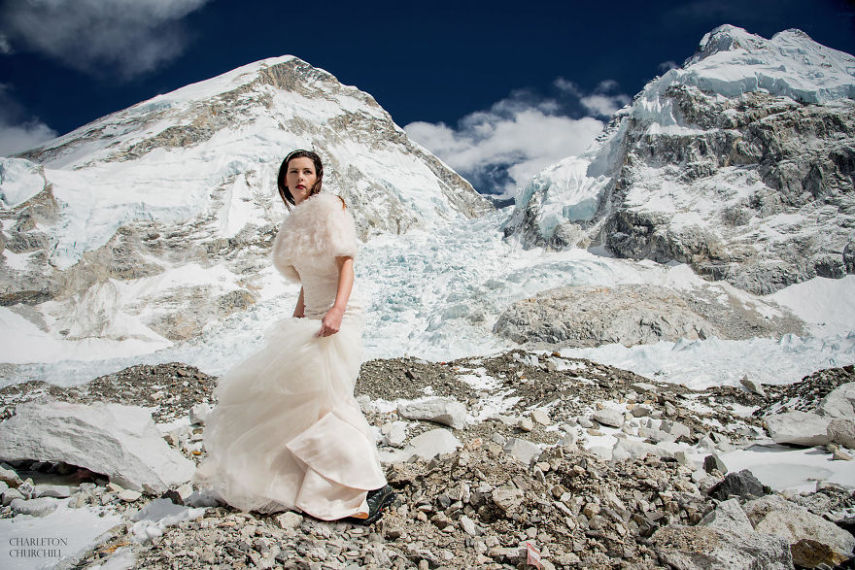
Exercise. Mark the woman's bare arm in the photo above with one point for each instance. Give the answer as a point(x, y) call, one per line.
point(331, 323)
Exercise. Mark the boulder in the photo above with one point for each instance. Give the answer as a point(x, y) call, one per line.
point(394, 433)
point(797, 524)
point(631, 449)
point(774, 514)
point(728, 515)
point(609, 417)
point(809, 553)
point(425, 446)
point(522, 450)
point(10, 477)
point(842, 432)
point(446, 411)
point(34, 507)
point(121, 442)
point(756, 509)
point(676, 429)
point(704, 547)
point(752, 386)
point(712, 462)
point(840, 402)
point(741, 484)
point(798, 428)
point(541, 416)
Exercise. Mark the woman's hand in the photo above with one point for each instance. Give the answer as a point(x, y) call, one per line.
point(331, 323)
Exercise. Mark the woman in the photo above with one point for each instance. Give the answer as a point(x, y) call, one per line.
point(287, 432)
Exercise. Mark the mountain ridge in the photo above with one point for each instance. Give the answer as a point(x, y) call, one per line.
point(717, 165)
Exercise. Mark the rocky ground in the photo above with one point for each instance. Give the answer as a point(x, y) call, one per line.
point(553, 463)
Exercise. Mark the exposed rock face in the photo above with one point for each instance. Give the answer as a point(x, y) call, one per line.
point(634, 314)
point(121, 442)
point(155, 222)
point(700, 547)
point(729, 164)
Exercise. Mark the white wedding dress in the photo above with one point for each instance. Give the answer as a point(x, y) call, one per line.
point(286, 432)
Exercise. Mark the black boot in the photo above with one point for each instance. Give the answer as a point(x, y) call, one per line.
point(377, 500)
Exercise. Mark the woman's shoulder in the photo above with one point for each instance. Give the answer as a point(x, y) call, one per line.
point(325, 202)
point(319, 225)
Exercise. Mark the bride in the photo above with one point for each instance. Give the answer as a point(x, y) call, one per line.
point(286, 432)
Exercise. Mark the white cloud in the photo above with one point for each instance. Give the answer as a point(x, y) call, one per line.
point(604, 105)
point(567, 87)
point(500, 149)
point(606, 85)
point(18, 138)
point(18, 134)
point(667, 66)
point(125, 37)
point(5, 46)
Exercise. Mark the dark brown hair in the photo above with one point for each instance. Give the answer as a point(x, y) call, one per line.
point(284, 192)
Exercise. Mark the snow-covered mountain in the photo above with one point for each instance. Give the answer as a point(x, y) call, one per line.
point(151, 223)
point(144, 238)
point(740, 163)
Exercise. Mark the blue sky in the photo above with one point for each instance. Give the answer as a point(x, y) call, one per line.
point(540, 77)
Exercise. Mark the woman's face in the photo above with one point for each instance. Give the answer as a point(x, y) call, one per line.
point(300, 178)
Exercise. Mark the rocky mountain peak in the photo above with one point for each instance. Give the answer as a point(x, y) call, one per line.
point(740, 163)
point(154, 221)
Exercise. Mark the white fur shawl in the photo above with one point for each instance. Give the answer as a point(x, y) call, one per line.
point(318, 230)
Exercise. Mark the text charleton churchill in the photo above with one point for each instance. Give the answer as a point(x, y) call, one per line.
point(36, 547)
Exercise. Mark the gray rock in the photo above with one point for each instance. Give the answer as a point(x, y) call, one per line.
point(425, 446)
point(798, 428)
point(522, 450)
point(797, 525)
point(777, 516)
point(396, 434)
point(507, 498)
point(728, 515)
point(752, 386)
point(526, 424)
point(640, 411)
point(541, 416)
point(713, 462)
point(34, 507)
point(10, 477)
point(121, 442)
point(758, 508)
point(842, 432)
point(741, 484)
point(840, 402)
point(469, 526)
point(705, 547)
point(12, 494)
point(590, 316)
point(289, 520)
point(676, 429)
point(609, 417)
point(55, 491)
point(631, 449)
point(27, 488)
point(446, 411)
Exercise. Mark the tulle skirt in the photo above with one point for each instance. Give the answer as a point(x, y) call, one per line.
point(287, 433)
